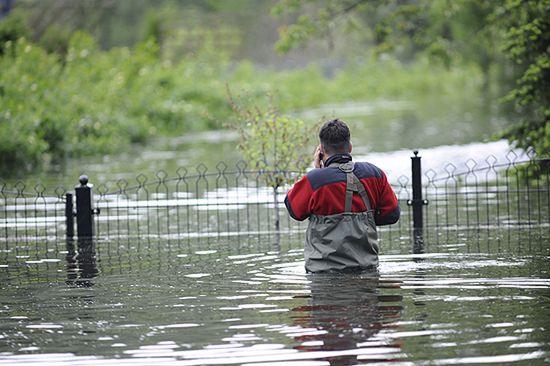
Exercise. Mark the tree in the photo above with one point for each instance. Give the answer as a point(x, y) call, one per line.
point(513, 32)
point(273, 144)
point(526, 42)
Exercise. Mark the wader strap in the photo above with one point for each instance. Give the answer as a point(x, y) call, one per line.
point(353, 185)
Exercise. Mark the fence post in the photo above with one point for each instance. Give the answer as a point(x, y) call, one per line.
point(417, 202)
point(69, 215)
point(84, 211)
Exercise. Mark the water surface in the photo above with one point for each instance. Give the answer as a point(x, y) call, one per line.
point(237, 302)
point(382, 130)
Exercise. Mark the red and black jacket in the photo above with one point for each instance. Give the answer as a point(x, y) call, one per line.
point(323, 192)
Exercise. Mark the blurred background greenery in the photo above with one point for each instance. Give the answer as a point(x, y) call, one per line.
point(81, 78)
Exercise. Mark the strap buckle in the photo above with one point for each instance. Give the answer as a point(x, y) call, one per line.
point(346, 167)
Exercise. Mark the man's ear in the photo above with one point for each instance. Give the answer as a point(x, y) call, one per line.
point(350, 147)
point(322, 149)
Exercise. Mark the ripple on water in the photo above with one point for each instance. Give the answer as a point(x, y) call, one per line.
point(242, 305)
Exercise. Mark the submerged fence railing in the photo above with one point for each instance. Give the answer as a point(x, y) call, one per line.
point(229, 202)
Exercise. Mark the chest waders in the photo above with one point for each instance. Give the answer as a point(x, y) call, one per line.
point(343, 241)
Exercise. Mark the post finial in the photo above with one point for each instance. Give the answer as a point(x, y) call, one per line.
point(415, 152)
point(83, 180)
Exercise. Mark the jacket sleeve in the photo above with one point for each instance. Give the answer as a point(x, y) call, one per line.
point(388, 211)
point(297, 200)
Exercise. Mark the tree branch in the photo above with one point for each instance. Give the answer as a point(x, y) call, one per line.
point(350, 7)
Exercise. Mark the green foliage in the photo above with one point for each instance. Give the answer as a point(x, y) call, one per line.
point(462, 30)
point(88, 101)
point(270, 141)
point(153, 27)
point(526, 30)
point(56, 39)
point(65, 96)
point(91, 101)
point(26, 82)
point(387, 26)
point(364, 79)
point(13, 27)
point(296, 34)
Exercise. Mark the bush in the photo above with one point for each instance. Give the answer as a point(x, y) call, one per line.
point(12, 28)
point(92, 101)
point(84, 100)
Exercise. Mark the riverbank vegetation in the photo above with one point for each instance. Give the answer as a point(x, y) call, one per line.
point(87, 100)
point(92, 84)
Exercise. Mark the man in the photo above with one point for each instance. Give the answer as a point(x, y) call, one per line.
point(344, 202)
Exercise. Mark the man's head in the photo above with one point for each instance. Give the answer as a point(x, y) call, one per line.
point(335, 138)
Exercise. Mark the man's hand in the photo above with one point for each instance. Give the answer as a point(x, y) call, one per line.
point(318, 158)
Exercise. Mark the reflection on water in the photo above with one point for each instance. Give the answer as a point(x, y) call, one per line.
point(230, 302)
point(347, 312)
point(81, 262)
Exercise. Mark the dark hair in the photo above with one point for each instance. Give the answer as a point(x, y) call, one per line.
point(335, 137)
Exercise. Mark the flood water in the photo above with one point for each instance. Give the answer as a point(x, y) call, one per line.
point(248, 302)
point(245, 301)
point(381, 130)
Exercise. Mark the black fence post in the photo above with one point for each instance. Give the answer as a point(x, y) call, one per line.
point(417, 202)
point(69, 215)
point(84, 211)
point(418, 219)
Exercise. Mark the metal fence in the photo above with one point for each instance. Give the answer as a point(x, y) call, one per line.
point(488, 196)
point(32, 213)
